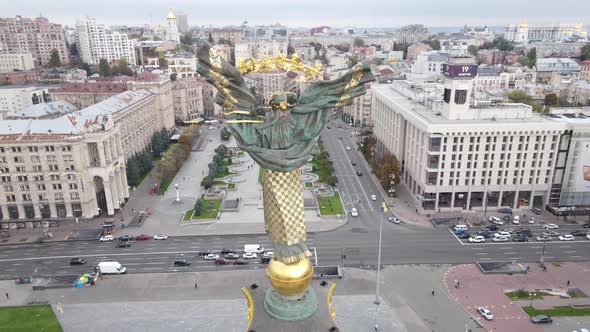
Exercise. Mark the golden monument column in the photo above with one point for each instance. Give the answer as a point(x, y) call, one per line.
point(280, 137)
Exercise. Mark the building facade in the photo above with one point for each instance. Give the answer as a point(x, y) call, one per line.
point(171, 28)
point(456, 157)
point(412, 34)
point(415, 50)
point(265, 84)
point(36, 36)
point(16, 98)
point(585, 70)
point(260, 49)
point(524, 33)
point(188, 98)
point(83, 95)
point(95, 42)
point(359, 112)
point(547, 66)
point(16, 62)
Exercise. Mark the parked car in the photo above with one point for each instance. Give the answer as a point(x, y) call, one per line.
point(588, 236)
point(347, 148)
point(354, 212)
point(536, 210)
point(460, 228)
point(541, 319)
point(477, 239)
point(353, 163)
point(493, 228)
point(516, 220)
point(221, 261)
point(550, 233)
point(393, 220)
point(240, 262)
point(502, 233)
point(373, 197)
point(105, 238)
point(77, 261)
point(550, 226)
point(496, 220)
point(126, 238)
point(225, 251)
point(181, 262)
point(505, 210)
point(142, 237)
point(522, 238)
point(578, 232)
point(160, 237)
point(464, 236)
point(265, 260)
point(249, 255)
point(460, 232)
point(231, 255)
point(566, 237)
point(544, 238)
point(501, 239)
point(268, 254)
point(484, 232)
point(211, 257)
point(359, 173)
point(586, 225)
point(524, 231)
point(485, 313)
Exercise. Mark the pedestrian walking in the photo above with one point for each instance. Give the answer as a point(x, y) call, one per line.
point(432, 292)
point(458, 285)
point(568, 283)
point(376, 327)
point(322, 277)
point(196, 286)
point(7, 295)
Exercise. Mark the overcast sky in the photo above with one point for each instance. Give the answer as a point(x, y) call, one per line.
point(336, 13)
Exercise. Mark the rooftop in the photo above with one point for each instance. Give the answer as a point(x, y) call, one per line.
point(95, 87)
point(44, 110)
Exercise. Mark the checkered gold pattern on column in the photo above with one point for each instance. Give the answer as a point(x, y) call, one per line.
point(284, 216)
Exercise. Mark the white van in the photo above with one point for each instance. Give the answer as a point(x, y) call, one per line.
point(253, 248)
point(354, 212)
point(496, 220)
point(111, 268)
point(516, 220)
point(461, 228)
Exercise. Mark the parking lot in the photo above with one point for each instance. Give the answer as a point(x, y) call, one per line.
point(521, 233)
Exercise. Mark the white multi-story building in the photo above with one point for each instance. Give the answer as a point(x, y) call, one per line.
point(15, 98)
point(524, 33)
point(188, 98)
point(16, 61)
point(95, 42)
point(359, 112)
point(37, 36)
point(456, 157)
point(429, 63)
point(265, 84)
point(171, 28)
point(181, 22)
point(260, 49)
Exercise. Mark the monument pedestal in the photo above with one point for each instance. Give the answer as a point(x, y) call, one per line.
point(310, 313)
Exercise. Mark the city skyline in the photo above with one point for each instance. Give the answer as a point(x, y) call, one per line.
point(306, 13)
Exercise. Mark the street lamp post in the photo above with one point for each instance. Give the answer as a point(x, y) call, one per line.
point(177, 193)
point(542, 260)
point(383, 210)
point(532, 295)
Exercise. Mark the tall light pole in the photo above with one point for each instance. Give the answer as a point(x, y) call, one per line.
point(542, 260)
point(177, 193)
point(532, 296)
point(383, 210)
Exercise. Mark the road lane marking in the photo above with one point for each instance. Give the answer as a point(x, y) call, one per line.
point(481, 253)
point(505, 248)
point(152, 268)
point(478, 248)
point(565, 246)
point(575, 256)
point(510, 253)
point(570, 252)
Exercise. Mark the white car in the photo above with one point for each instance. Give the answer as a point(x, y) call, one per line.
point(268, 254)
point(477, 239)
point(211, 257)
point(485, 313)
point(393, 220)
point(211, 128)
point(516, 220)
point(501, 239)
point(496, 220)
point(373, 197)
point(354, 212)
point(531, 220)
point(544, 238)
point(347, 148)
point(250, 255)
point(107, 238)
point(588, 236)
point(550, 226)
point(160, 237)
point(566, 237)
point(502, 234)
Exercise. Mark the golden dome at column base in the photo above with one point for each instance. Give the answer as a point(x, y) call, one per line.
point(289, 279)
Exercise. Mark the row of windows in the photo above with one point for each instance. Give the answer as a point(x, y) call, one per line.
point(498, 181)
point(498, 164)
point(42, 197)
point(36, 178)
point(36, 168)
point(40, 186)
point(47, 148)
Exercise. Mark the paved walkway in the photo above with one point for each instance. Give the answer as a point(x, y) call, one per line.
point(477, 289)
point(153, 302)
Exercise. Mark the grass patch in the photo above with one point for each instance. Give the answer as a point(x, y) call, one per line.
point(231, 186)
point(308, 185)
point(3, 241)
point(576, 293)
point(209, 210)
point(29, 318)
point(330, 205)
point(260, 175)
point(187, 215)
point(223, 173)
point(521, 294)
point(24, 239)
point(219, 183)
point(561, 311)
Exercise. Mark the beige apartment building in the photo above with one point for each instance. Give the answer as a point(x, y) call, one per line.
point(188, 98)
point(16, 61)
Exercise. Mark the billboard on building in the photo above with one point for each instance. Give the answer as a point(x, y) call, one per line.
point(582, 175)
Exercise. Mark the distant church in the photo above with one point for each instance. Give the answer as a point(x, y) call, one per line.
point(171, 28)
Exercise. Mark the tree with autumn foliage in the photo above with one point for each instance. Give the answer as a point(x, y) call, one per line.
point(388, 166)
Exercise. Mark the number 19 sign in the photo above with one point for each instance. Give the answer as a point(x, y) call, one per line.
point(458, 70)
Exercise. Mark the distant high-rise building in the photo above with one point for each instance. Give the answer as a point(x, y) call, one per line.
point(37, 36)
point(95, 42)
point(181, 22)
point(172, 28)
point(524, 33)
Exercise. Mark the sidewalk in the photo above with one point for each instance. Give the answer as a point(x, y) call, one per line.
point(477, 289)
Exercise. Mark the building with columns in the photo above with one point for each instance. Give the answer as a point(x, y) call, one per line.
point(459, 157)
